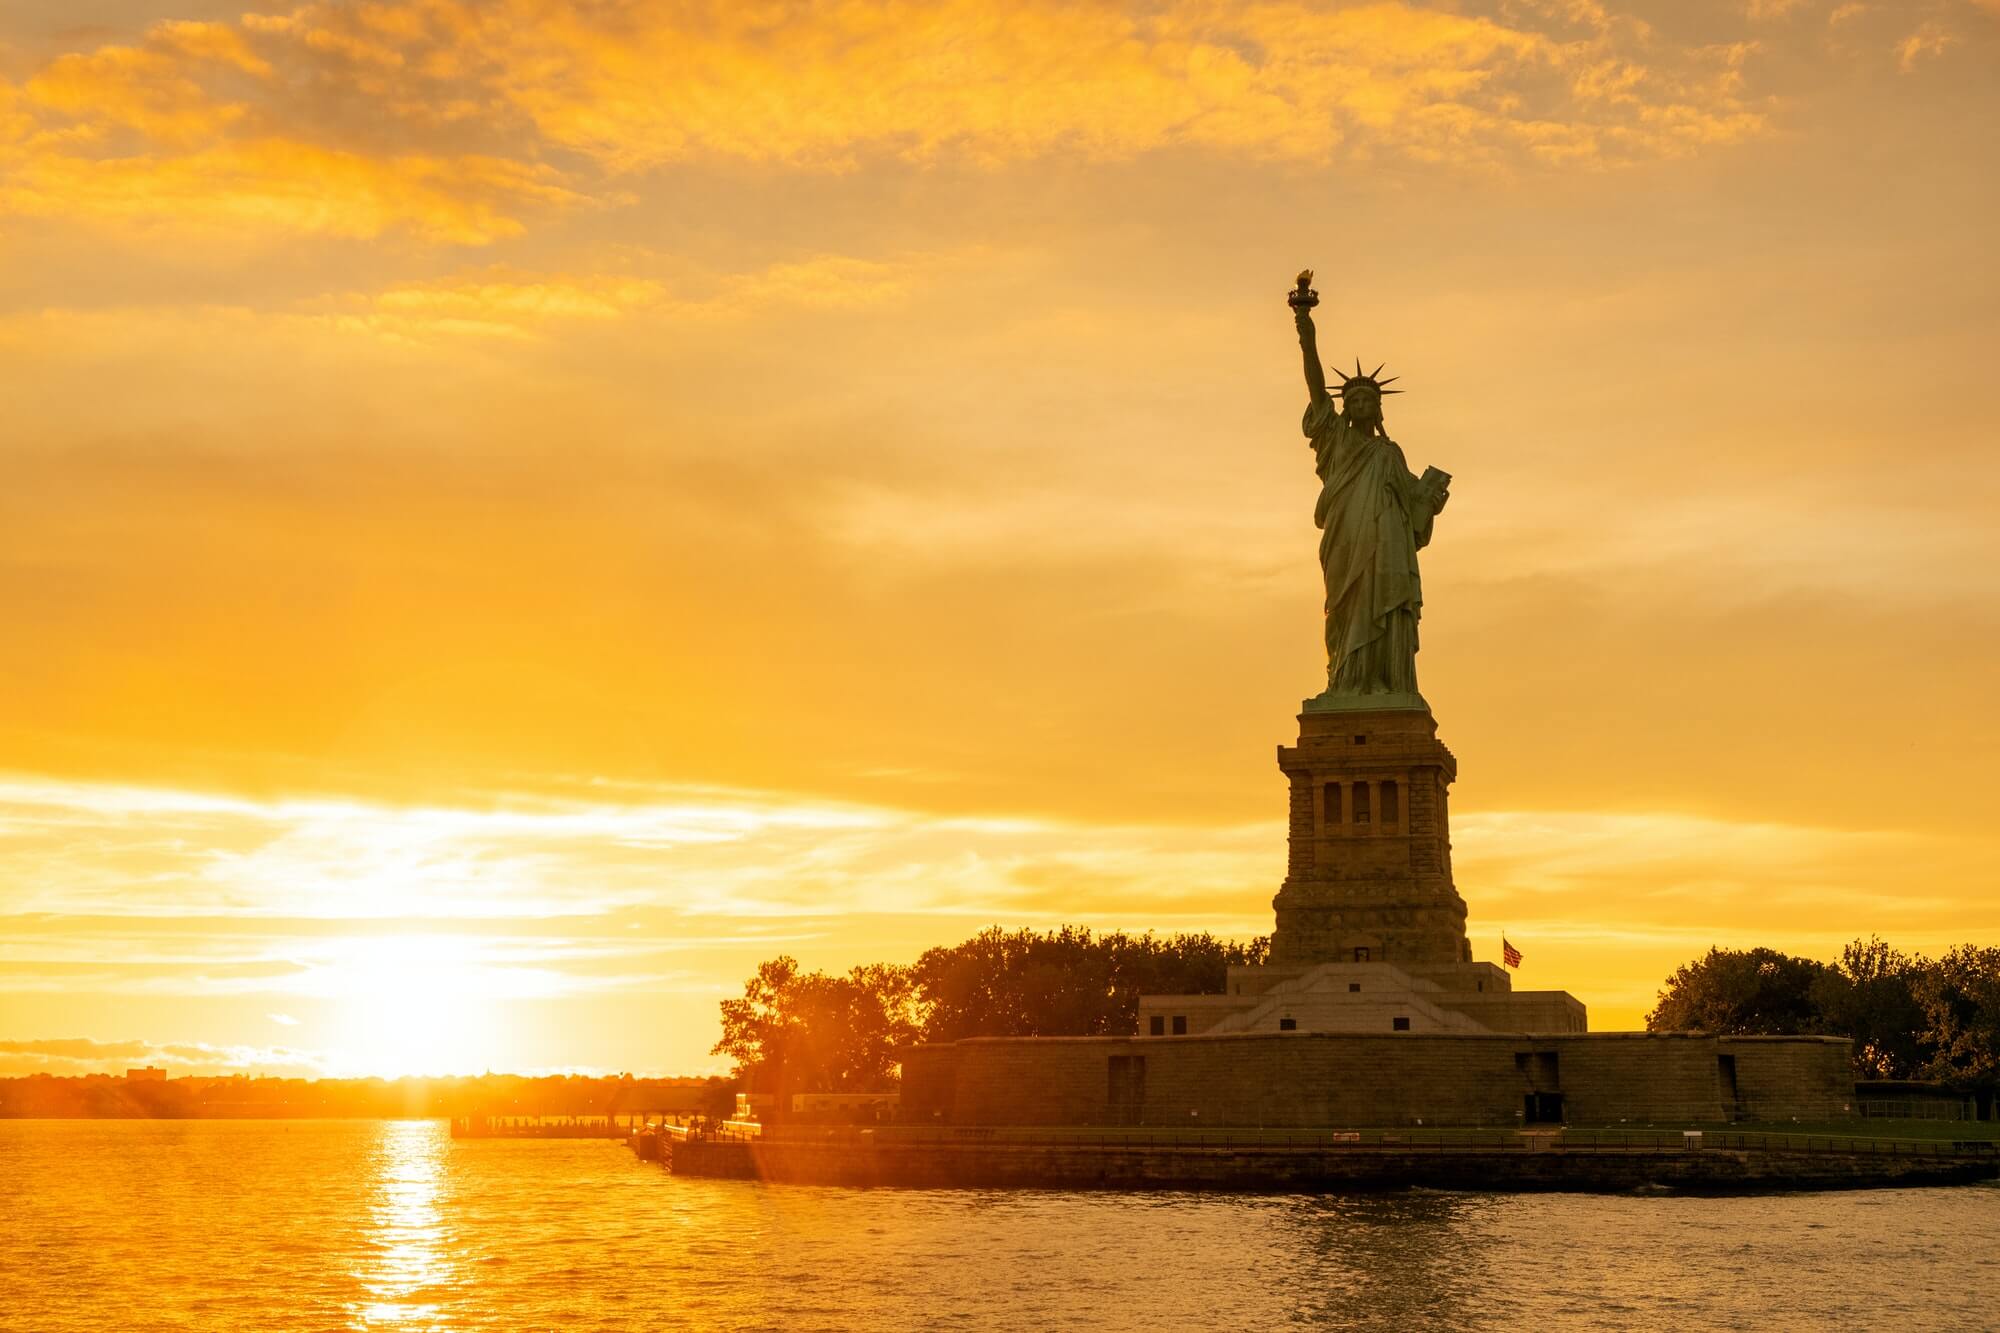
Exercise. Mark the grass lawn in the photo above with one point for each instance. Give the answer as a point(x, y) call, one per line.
point(1872, 1128)
point(1664, 1134)
point(1885, 1128)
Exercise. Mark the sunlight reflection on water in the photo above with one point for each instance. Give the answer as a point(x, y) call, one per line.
point(406, 1256)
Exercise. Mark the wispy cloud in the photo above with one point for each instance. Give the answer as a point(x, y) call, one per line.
point(698, 850)
point(83, 1055)
point(333, 904)
point(1932, 38)
point(279, 186)
point(516, 305)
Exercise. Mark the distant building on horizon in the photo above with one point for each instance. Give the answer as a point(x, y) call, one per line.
point(146, 1074)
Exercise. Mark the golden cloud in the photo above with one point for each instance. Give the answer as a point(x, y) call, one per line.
point(189, 128)
point(439, 116)
point(824, 87)
point(1930, 39)
point(286, 186)
point(154, 91)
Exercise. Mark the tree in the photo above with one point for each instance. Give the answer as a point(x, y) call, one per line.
point(1065, 982)
point(1018, 984)
point(799, 1031)
point(1869, 996)
point(1959, 995)
point(1739, 992)
point(1910, 1017)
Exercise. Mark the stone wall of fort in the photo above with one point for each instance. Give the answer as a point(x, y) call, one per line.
point(1313, 1079)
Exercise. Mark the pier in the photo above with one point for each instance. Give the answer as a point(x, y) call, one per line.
point(620, 1125)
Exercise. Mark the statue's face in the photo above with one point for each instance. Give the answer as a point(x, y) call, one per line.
point(1364, 406)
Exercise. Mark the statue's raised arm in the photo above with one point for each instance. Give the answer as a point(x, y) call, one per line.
point(1302, 300)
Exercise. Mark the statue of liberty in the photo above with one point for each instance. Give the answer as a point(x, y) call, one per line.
point(1374, 515)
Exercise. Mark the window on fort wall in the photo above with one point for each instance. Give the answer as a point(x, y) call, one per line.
point(1399, 1024)
point(1391, 803)
point(1361, 954)
point(1361, 803)
point(1353, 986)
point(1156, 1026)
point(1331, 809)
point(1288, 1025)
point(1180, 1025)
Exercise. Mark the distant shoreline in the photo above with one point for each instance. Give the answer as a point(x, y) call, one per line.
point(413, 1097)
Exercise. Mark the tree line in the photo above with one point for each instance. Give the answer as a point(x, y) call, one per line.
point(1910, 1017)
point(801, 1031)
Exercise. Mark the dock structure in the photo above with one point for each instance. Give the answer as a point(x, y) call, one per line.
point(604, 1125)
point(654, 1141)
point(629, 1109)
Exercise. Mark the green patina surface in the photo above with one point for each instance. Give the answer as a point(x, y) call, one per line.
point(1374, 514)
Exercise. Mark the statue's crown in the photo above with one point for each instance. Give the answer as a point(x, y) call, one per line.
point(1358, 380)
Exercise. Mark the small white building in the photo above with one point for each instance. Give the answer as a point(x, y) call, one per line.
point(1364, 997)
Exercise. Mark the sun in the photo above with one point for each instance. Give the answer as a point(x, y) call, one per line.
point(413, 1005)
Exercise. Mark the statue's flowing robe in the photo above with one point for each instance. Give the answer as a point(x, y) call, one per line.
point(1373, 516)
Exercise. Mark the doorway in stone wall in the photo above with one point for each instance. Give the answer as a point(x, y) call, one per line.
point(1543, 1108)
point(1725, 1077)
point(1127, 1091)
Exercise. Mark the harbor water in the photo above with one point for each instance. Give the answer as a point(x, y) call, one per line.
point(242, 1225)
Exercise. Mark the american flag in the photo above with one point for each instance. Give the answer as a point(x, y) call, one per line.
point(1509, 954)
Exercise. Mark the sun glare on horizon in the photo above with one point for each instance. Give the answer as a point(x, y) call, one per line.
point(414, 1005)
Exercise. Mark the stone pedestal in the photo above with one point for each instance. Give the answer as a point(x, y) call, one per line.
point(1369, 877)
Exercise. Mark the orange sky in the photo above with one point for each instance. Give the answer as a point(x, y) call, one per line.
point(517, 511)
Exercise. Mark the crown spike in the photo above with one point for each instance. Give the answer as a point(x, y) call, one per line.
point(1391, 380)
point(1377, 371)
point(1357, 369)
